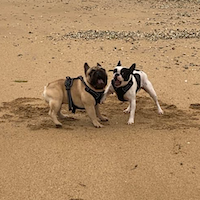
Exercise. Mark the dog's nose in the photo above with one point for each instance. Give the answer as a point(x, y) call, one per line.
point(116, 75)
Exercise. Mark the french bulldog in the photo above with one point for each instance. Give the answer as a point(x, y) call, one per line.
point(84, 93)
point(126, 83)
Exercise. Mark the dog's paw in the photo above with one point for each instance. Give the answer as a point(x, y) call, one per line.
point(63, 116)
point(160, 112)
point(97, 124)
point(126, 111)
point(130, 121)
point(104, 119)
point(102, 100)
point(58, 125)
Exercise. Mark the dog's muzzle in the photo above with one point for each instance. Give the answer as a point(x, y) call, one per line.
point(100, 81)
point(117, 82)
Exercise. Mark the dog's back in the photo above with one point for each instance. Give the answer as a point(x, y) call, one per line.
point(143, 77)
point(53, 90)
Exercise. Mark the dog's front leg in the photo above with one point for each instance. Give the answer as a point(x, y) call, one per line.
point(109, 90)
point(91, 111)
point(132, 111)
point(102, 118)
point(127, 110)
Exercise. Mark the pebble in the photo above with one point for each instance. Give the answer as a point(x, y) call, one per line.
point(130, 36)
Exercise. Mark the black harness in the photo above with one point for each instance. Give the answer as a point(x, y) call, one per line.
point(121, 91)
point(68, 84)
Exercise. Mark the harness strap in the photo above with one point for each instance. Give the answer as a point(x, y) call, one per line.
point(97, 95)
point(121, 91)
point(138, 80)
point(68, 84)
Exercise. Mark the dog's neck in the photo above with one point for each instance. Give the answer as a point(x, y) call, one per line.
point(91, 87)
point(124, 83)
point(121, 91)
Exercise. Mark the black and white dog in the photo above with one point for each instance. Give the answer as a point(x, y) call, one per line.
point(125, 83)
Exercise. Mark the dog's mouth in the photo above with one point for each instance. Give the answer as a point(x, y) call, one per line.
point(100, 84)
point(117, 83)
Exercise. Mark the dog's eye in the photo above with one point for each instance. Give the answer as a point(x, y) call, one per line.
point(103, 69)
point(91, 72)
point(124, 72)
point(114, 71)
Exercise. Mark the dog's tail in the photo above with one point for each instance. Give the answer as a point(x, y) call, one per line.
point(44, 94)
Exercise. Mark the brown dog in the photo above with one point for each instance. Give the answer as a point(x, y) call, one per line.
point(78, 93)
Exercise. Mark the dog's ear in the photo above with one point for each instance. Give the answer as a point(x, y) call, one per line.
point(119, 63)
point(86, 67)
point(132, 68)
point(98, 65)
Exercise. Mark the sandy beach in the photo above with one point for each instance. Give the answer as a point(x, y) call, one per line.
point(155, 158)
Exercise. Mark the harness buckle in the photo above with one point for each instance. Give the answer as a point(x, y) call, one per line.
point(68, 83)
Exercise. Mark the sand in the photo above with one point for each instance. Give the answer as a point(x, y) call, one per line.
point(155, 158)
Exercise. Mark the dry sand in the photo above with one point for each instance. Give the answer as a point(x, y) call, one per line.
point(156, 158)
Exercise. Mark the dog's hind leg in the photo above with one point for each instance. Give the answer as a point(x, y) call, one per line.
point(55, 107)
point(148, 87)
point(61, 115)
point(132, 111)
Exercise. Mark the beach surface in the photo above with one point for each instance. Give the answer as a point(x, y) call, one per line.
point(155, 158)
